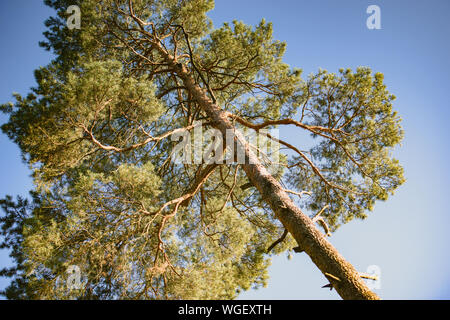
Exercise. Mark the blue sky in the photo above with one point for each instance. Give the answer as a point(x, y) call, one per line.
point(407, 236)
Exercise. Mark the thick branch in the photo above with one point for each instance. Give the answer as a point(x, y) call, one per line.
point(134, 146)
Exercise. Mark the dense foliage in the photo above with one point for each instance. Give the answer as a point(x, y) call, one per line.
point(108, 199)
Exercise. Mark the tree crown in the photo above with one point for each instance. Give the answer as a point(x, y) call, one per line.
point(96, 130)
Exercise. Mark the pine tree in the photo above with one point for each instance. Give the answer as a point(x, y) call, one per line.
point(109, 197)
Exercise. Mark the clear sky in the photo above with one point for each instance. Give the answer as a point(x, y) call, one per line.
point(407, 236)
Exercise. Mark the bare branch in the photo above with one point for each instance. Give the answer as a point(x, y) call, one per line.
point(193, 63)
point(281, 239)
point(300, 194)
point(137, 145)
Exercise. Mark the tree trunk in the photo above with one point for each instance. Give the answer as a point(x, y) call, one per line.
point(341, 274)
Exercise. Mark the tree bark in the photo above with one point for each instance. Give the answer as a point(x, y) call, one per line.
point(341, 274)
